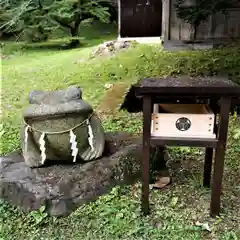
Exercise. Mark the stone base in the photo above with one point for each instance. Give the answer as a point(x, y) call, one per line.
point(142, 40)
point(64, 187)
point(183, 46)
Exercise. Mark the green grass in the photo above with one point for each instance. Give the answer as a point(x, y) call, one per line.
point(117, 215)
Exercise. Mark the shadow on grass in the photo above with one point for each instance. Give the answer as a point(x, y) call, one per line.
point(53, 45)
point(92, 34)
point(65, 44)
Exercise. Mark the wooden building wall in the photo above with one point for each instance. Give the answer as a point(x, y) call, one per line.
point(217, 27)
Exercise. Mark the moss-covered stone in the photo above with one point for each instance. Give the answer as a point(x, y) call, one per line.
point(63, 187)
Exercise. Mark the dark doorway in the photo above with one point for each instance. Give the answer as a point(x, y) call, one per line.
point(141, 18)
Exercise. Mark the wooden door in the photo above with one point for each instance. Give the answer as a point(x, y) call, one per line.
point(132, 18)
point(153, 18)
point(141, 18)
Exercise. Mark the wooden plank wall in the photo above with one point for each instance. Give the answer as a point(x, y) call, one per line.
point(218, 26)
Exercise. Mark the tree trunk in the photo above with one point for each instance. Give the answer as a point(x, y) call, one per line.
point(195, 32)
point(43, 35)
point(75, 34)
point(74, 42)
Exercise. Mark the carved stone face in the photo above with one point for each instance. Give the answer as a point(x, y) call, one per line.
point(60, 102)
point(55, 97)
point(60, 122)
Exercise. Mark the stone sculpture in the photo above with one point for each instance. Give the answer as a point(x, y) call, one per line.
point(60, 125)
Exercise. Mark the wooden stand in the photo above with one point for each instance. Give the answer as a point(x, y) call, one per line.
point(195, 90)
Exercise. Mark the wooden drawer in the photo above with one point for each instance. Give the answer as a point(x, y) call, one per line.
point(183, 120)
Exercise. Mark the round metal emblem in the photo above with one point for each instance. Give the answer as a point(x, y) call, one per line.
point(183, 124)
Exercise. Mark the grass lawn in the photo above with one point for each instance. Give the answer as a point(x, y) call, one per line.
point(175, 210)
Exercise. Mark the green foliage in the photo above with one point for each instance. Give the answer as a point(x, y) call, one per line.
point(200, 10)
point(35, 19)
point(69, 12)
point(236, 134)
point(27, 18)
point(36, 23)
point(38, 217)
point(9, 16)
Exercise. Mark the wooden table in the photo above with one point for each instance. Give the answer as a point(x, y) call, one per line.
point(213, 90)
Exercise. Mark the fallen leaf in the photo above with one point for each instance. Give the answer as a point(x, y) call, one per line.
point(161, 182)
point(108, 85)
point(204, 226)
point(119, 215)
point(198, 223)
point(135, 191)
point(174, 201)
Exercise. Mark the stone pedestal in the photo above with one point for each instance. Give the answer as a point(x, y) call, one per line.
point(63, 187)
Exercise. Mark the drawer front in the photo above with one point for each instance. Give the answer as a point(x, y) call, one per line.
point(183, 125)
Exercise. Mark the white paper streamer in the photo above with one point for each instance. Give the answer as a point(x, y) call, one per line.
point(72, 139)
point(26, 138)
point(73, 145)
point(90, 133)
point(42, 147)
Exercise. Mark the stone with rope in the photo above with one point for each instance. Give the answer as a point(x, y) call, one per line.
point(60, 126)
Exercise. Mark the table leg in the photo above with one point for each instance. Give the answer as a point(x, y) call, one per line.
point(219, 156)
point(147, 119)
point(207, 167)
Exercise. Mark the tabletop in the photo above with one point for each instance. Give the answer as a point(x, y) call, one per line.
point(186, 85)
